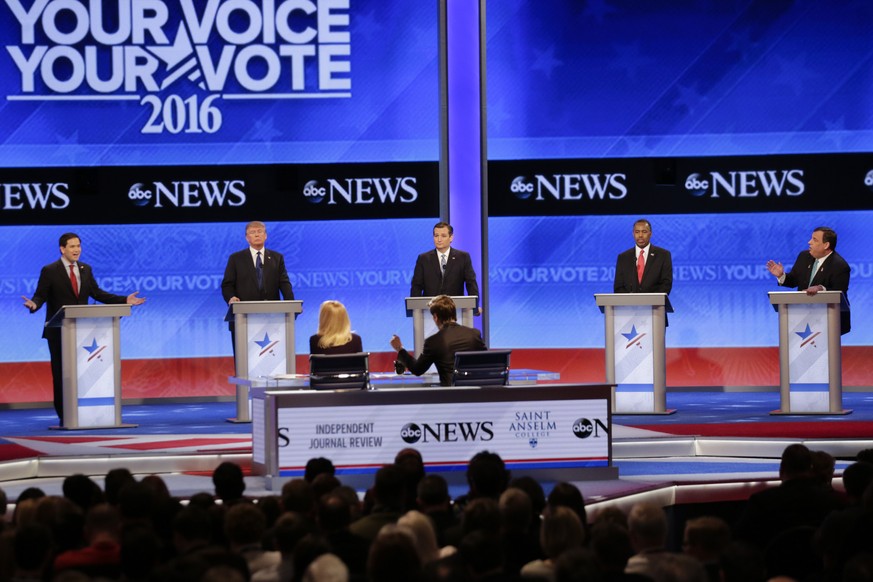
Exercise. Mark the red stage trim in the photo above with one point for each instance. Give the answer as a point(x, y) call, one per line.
point(207, 377)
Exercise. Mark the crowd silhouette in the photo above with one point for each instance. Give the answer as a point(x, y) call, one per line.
point(407, 528)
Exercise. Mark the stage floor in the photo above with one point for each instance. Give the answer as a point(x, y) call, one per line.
point(717, 446)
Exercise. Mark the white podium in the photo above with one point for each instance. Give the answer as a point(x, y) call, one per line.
point(810, 362)
point(636, 361)
point(91, 360)
point(419, 309)
point(263, 344)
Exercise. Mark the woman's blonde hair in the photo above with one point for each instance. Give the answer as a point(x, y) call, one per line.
point(334, 326)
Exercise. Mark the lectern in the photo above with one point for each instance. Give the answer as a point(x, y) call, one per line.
point(419, 309)
point(263, 344)
point(636, 359)
point(91, 360)
point(810, 363)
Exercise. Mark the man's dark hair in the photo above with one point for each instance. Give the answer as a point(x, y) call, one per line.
point(433, 490)
point(442, 224)
point(443, 308)
point(82, 490)
point(388, 487)
point(796, 461)
point(487, 475)
point(316, 466)
point(643, 221)
point(66, 237)
point(334, 513)
point(857, 477)
point(228, 481)
point(828, 235)
point(115, 481)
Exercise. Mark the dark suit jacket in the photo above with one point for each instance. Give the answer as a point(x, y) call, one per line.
point(833, 274)
point(427, 279)
point(241, 281)
point(353, 347)
point(440, 349)
point(55, 290)
point(657, 277)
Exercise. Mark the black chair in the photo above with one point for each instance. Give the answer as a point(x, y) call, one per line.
point(339, 371)
point(485, 368)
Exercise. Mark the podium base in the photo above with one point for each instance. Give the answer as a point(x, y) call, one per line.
point(638, 413)
point(826, 413)
point(239, 420)
point(123, 425)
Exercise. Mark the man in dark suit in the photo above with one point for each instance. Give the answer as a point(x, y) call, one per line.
point(67, 281)
point(644, 268)
point(255, 274)
point(819, 269)
point(443, 271)
point(247, 280)
point(440, 348)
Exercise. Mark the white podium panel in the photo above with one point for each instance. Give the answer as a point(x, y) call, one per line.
point(810, 362)
point(636, 360)
point(263, 344)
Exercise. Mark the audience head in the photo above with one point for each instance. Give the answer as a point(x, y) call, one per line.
point(82, 490)
point(578, 565)
point(515, 510)
point(742, 562)
point(433, 493)
point(421, 528)
point(561, 530)
point(411, 465)
point(307, 550)
point(534, 491)
point(647, 526)
point(228, 481)
point(611, 543)
point(289, 529)
point(482, 513)
point(388, 487)
point(393, 557)
point(115, 481)
point(334, 513)
point(823, 466)
point(334, 326)
point(856, 478)
point(316, 466)
point(706, 538)
point(297, 496)
point(487, 475)
point(482, 552)
point(568, 495)
point(796, 462)
point(244, 524)
point(326, 568)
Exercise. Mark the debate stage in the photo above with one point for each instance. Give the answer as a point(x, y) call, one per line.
point(718, 446)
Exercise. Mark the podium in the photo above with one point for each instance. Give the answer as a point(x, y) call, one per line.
point(636, 361)
point(263, 344)
point(91, 363)
point(810, 363)
point(419, 309)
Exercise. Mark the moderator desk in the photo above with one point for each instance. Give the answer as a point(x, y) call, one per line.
point(556, 431)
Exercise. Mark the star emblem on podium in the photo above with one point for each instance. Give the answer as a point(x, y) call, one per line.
point(266, 344)
point(633, 338)
point(807, 336)
point(94, 350)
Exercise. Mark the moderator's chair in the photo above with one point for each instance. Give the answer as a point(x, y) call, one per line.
point(339, 371)
point(485, 368)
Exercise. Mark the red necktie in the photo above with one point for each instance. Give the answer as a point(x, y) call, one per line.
point(641, 266)
point(73, 281)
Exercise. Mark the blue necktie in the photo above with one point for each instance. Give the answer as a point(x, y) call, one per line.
point(260, 272)
point(812, 274)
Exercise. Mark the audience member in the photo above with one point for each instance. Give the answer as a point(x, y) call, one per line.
point(316, 466)
point(411, 465)
point(114, 482)
point(393, 558)
point(432, 497)
point(520, 540)
point(647, 528)
point(334, 518)
point(229, 483)
point(82, 490)
point(388, 488)
point(742, 562)
point(800, 500)
point(486, 477)
point(561, 531)
point(569, 495)
point(705, 538)
point(102, 556)
point(244, 527)
point(326, 568)
point(419, 526)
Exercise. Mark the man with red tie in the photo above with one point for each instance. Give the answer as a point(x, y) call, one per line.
point(67, 281)
point(645, 268)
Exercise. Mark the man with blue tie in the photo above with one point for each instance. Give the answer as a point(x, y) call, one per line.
point(67, 281)
point(818, 269)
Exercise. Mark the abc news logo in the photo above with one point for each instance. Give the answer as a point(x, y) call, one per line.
point(189, 194)
point(448, 432)
point(34, 195)
point(584, 428)
point(746, 184)
point(571, 187)
point(395, 190)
